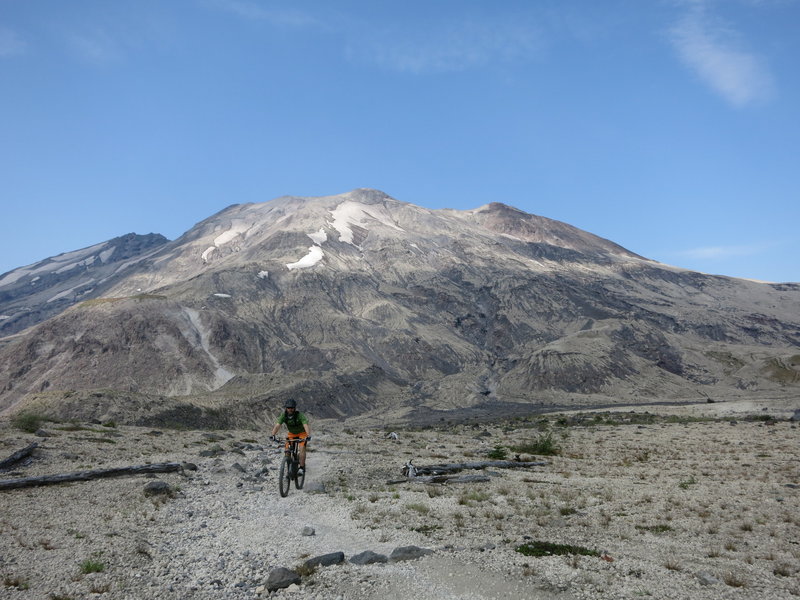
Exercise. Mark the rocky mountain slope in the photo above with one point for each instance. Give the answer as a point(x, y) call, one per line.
point(32, 294)
point(359, 302)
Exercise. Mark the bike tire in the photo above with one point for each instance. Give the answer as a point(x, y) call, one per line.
point(284, 477)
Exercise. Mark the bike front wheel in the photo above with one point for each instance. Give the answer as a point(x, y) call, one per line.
point(284, 477)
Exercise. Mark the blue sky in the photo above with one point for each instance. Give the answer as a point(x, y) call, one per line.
point(671, 127)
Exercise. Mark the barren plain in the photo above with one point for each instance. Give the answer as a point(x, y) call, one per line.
point(699, 501)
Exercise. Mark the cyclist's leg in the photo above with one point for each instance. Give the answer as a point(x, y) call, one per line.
point(301, 447)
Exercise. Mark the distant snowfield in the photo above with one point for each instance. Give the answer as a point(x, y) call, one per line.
point(64, 263)
point(345, 216)
point(351, 213)
point(238, 227)
point(70, 290)
point(57, 263)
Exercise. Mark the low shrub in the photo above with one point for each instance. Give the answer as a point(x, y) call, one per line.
point(92, 566)
point(656, 529)
point(498, 453)
point(28, 422)
point(544, 445)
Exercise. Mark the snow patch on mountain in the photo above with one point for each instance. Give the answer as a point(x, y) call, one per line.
point(81, 263)
point(106, 254)
point(70, 291)
point(314, 255)
point(349, 214)
point(207, 253)
point(124, 265)
point(54, 264)
point(318, 237)
point(237, 228)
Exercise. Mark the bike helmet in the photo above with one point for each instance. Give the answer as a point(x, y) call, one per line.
point(290, 403)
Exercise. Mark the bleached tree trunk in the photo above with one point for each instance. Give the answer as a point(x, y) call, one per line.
point(18, 456)
point(8, 484)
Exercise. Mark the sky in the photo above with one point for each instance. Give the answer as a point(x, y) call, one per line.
point(671, 127)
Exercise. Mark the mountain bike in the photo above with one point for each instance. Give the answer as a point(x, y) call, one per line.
point(289, 468)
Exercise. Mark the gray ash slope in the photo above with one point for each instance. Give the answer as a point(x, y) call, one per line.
point(34, 293)
point(359, 303)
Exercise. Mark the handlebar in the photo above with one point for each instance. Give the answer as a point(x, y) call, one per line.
point(283, 441)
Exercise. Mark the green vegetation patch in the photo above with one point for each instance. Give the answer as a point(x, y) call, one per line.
point(656, 529)
point(426, 529)
point(498, 453)
point(631, 418)
point(137, 297)
point(544, 445)
point(551, 549)
point(92, 566)
point(27, 422)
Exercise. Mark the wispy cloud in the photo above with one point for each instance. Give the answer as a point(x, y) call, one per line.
point(427, 46)
point(714, 52)
point(724, 252)
point(446, 47)
point(256, 11)
point(11, 44)
point(97, 47)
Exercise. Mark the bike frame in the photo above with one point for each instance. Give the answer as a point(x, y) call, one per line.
point(291, 449)
point(289, 467)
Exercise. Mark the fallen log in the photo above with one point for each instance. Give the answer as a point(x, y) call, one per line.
point(443, 479)
point(489, 464)
point(18, 456)
point(9, 484)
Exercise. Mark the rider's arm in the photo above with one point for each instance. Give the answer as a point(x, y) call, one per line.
point(306, 426)
point(278, 424)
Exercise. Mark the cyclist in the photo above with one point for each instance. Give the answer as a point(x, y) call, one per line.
point(297, 424)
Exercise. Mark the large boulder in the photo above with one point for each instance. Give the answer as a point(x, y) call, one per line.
point(408, 553)
point(368, 557)
point(281, 578)
point(325, 560)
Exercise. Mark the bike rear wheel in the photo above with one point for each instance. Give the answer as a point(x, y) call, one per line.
point(284, 477)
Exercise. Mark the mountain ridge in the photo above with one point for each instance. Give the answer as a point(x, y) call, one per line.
point(36, 292)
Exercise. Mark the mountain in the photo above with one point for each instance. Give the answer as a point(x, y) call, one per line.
point(359, 303)
point(32, 294)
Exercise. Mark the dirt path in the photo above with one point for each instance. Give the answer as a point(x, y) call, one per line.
point(222, 537)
